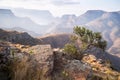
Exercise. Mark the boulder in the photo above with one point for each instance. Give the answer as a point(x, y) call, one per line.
point(78, 70)
point(69, 69)
point(36, 65)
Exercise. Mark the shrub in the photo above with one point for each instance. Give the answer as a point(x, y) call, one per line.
point(89, 38)
point(70, 48)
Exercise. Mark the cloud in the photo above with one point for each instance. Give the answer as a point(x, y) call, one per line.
point(65, 2)
point(59, 7)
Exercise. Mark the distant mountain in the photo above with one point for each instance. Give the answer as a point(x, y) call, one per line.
point(115, 48)
point(89, 16)
point(109, 25)
point(41, 17)
point(63, 24)
point(67, 22)
point(19, 29)
point(107, 21)
point(9, 20)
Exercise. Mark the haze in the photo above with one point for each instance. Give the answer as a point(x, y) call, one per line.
point(60, 7)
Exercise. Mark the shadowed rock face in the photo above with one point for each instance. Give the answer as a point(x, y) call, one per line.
point(16, 37)
point(4, 53)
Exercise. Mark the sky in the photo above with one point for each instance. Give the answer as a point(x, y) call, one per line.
point(60, 7)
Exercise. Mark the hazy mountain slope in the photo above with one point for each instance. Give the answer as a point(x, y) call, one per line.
point(39, 16)
point(67, 22)
point(9, 20)
point(19, 29)
point(63, 24)
point(106, 21)
point(109, 25)
point(115, 48)
point(89, 16)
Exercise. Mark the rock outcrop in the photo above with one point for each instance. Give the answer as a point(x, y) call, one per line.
point(34, 65)
point(4, 53)
point(42, 57)
point(96, 65)
point(100, 54)
point(17, 37)
point(69, 69)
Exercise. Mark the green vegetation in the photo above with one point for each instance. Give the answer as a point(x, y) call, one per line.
point(83, 40)
point(31, 52)
point(12, 52)
point(22, 69)
point(89, 38)
point(70, 48)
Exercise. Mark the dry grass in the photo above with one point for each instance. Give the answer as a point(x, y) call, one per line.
point(19, 68)
point(26, 69)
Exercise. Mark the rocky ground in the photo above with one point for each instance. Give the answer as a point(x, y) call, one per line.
point(41, 62)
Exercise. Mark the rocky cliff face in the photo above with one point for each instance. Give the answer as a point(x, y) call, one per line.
point(35, 65)
point(17, 37)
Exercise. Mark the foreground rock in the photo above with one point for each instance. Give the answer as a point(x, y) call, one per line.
point(40, 62)
point(99, 54)
point(91, 67)
point(69, 69)
point(4, 52)
point(36, 65)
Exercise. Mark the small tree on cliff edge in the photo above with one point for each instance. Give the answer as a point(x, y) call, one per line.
point(87, 39)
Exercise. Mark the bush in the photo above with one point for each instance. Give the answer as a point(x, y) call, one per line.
point(85, 40)
point(70, 48)
point(89, 38)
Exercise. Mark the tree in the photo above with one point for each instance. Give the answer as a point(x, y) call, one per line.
point(87, 39)
point(70, 48)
